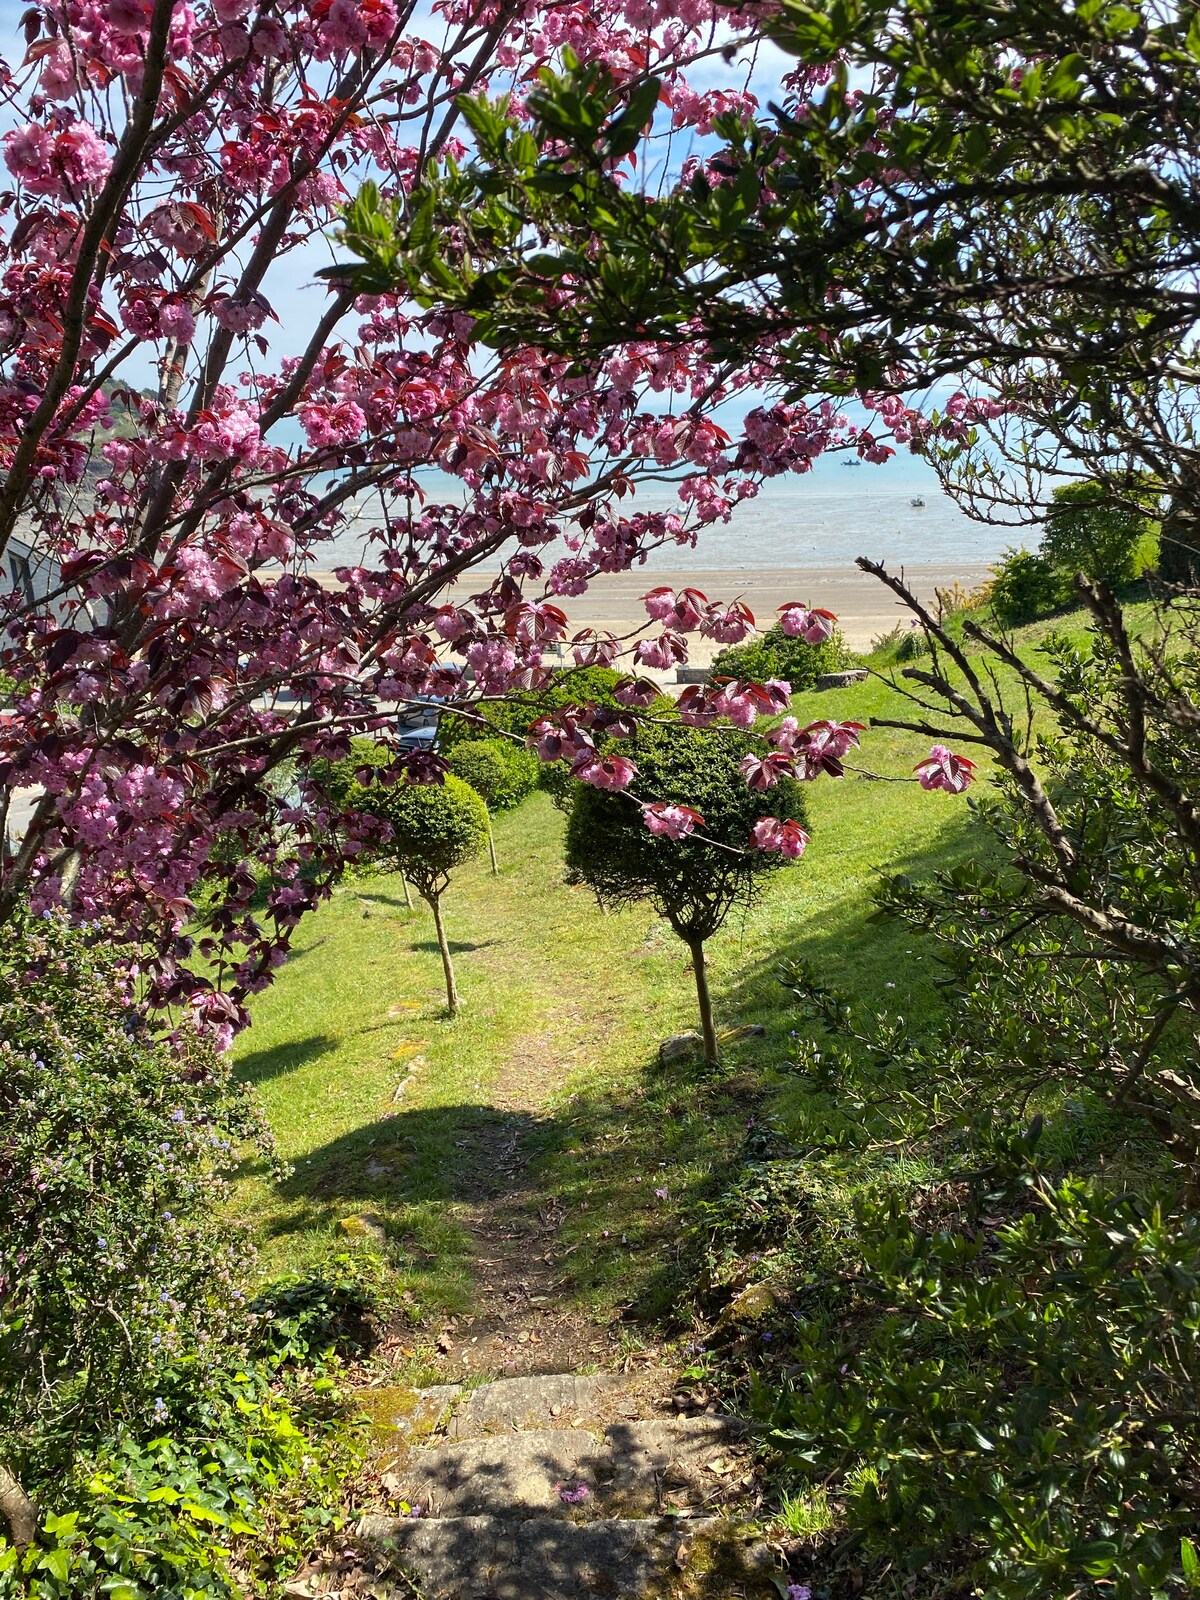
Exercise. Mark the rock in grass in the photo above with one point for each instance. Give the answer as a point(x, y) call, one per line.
point(365, 1225)
point(842, 680)
point(751, 1305)
point(680, 1047)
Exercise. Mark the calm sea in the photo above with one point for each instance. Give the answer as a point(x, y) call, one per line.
point(824, 520)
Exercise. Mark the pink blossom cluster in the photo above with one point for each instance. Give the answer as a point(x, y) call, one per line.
point(62, 163)
point(185, 485)
point(941, 769)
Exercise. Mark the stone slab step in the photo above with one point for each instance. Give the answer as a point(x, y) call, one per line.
point(550, 1401)
point(541, 1558)
point(635, 1467)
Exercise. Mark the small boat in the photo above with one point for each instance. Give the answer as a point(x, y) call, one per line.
point(917, 500)
point(852, 463)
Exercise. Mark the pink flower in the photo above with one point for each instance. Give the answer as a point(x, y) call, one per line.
point(785, 838)
point(660, 653)
point(57, 164)
point(327, 424)
point(176, 320)
point(241, 315)
point(493, 661)
point(941, 769)
point(683, 611)
point(729, 624)
point(672, 822)
point(814, 626)
point(604, 772)
point(764, 772)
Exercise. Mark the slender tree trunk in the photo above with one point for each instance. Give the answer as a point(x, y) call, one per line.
point(407, 892)
point(709, 1032)
point(492, 845)
point(17, 1510)
point(435, 904)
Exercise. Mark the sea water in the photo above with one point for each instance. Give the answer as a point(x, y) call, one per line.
point(822, 519)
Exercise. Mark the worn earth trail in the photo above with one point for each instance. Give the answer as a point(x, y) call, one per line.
point(573, 1471)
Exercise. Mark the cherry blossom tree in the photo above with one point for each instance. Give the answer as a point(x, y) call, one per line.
point(201, 413)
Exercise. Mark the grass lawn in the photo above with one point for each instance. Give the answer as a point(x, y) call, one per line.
point(564, 1009)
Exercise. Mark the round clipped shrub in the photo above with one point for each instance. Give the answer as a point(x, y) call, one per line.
point(692, 882)
point(432, 828)
point(776, 655)
point(502, 772)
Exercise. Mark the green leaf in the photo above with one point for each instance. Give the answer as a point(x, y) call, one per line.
point(57, 1563)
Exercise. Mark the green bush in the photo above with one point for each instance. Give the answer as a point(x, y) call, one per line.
point(1085, 533)
point(1011, 1405)
point(775, 655)
point(692, 882)
point(113, 1148)
point(516, 712)
point(215, 1505)
point(502, 772)
point(1024, 587)
point(431, 827)
point(164, 1464)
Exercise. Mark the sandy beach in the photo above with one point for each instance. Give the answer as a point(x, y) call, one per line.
point(864, 608)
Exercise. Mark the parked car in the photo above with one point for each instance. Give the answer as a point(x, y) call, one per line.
point(417, 723)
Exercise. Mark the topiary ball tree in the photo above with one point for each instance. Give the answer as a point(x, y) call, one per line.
point(501, 771)
point(434, 828)
point(696, 881)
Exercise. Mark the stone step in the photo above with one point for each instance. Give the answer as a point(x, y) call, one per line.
point(636, 1467)
point(554, 1400)
point(547, 1558)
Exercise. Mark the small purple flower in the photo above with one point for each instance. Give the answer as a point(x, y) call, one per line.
point(161, 1411)
point(415, 1511)
point(573, 1494)
point(662, 1193)
point(799, 1591)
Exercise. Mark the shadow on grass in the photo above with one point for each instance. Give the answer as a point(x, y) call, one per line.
point(625, 1168)
point(466, 1153)
point(261, 1065)
point(457, 947)
point(393, 900)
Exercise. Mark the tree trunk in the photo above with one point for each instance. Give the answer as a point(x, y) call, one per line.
point(696, 946)
point(407, 892)
point(435, 904)
point(492, 845)
point(17, 1510)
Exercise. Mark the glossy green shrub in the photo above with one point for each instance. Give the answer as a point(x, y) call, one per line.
point(775, 655)
point(1085, 532)
point(224, 1499)
point(1010, 1401)
point(113, 1150)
